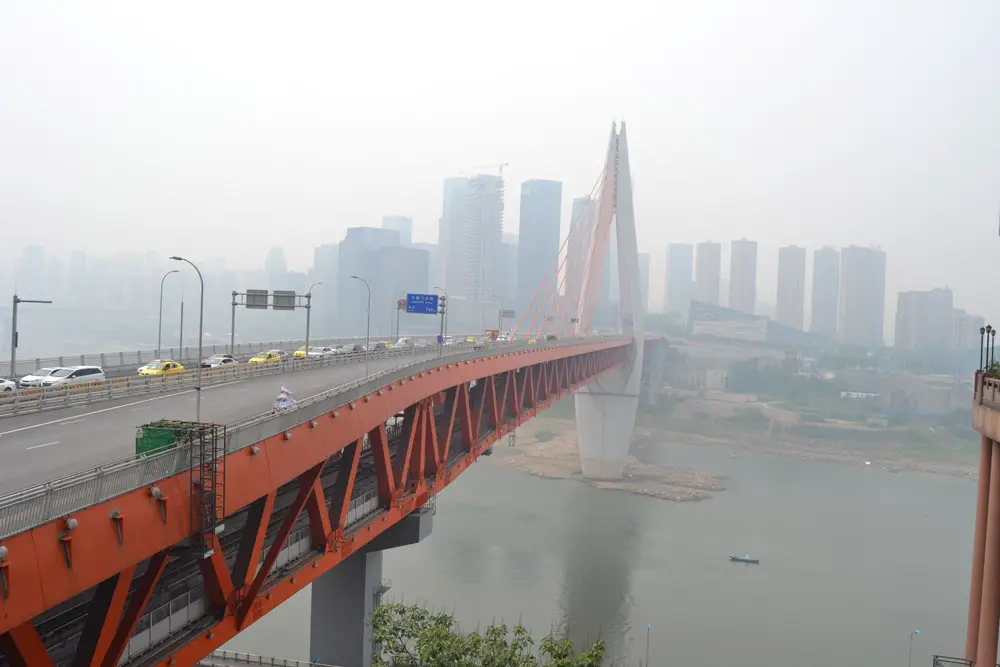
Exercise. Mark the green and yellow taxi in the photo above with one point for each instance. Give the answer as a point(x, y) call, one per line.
point(269, 357)
point(162, 368)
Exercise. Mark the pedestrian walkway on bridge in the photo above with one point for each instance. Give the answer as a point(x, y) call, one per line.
point(237, 659)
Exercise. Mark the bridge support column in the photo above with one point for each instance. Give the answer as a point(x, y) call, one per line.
point(652, 379)
point(344, 598)
point(989, 615)
point(605, 417)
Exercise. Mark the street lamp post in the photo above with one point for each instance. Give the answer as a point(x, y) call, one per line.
point(368, 325)
point(909, 660)
point(159, 328)
point(13, 333)
point(201, 332)
point(309, 295)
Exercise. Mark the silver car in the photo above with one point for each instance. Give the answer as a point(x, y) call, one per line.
point(73, 376)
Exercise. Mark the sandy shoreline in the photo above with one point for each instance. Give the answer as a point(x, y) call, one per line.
point(780, 447)
point(547, 448)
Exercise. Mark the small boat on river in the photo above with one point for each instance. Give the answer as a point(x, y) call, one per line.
point(744, 559)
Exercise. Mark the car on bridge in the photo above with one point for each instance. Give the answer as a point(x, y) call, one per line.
point(63, 378)
point(162, 368)
point(302, 353)
point(319, 352)
point(35, 379)
point(269, 357)
point(7, 386)
point(219, 361)
point(351, 348)
point(148, 364)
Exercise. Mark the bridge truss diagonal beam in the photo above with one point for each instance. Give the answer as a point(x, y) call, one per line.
point(305, 482)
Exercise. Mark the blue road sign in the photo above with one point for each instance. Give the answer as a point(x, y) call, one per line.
point(422, 304)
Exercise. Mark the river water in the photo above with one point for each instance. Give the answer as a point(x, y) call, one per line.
point(852, 560)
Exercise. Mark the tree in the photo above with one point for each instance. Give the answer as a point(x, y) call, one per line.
point(410, 636)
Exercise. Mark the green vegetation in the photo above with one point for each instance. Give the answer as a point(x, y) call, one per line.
point(409, 636)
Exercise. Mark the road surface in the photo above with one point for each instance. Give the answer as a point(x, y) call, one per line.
point(44, 446)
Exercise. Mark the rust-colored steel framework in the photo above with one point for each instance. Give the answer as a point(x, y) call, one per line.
point(110, 560)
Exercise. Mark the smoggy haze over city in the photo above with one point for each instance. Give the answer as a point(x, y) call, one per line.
point(230, 128)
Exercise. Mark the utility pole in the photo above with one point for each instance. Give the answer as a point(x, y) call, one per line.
point(13, 333)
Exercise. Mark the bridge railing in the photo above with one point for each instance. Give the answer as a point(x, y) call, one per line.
point(250, 659)
point(26, 509)
point(31, 400)
point(129, 360)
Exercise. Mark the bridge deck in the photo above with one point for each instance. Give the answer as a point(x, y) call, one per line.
point(40, 447)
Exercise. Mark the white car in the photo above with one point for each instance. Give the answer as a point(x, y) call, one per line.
point(35, 379)
point(317, 352)
point(7, 386)
point(73, 376)
point(219, 361)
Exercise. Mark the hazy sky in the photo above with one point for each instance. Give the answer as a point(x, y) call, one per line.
point(239, 125)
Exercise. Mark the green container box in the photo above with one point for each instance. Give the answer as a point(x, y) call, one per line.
point(161, 435)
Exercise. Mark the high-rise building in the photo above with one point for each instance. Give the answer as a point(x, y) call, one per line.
point(436, 266)
point(644, 259)
point(743, 276)
point(401, 224)
point(509, 279)
point(538, 238)
point(825, 291)
point(358, 256)
point(708, 272)
point(399, 270)
point(966, 330)
point(472, 228)
point(276, 267)
point(680, 268)
point(580, 223)
point(791, 298)
point(925, 320)
point(326, 259)
point(862, 296)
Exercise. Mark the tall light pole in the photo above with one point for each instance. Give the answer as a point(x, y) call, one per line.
point(13, 333)
point(309, 296)
point(915, 633)
point(159, 328)
point(201, 331)
point(368, 326)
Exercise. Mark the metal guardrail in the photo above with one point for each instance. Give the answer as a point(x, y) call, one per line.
point(26, 509)
point(129, 360)
point(250, 659)
point(31, 400)
point(944, 661)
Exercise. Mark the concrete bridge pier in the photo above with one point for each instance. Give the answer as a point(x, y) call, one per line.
point(344, 598)
point(655, 367)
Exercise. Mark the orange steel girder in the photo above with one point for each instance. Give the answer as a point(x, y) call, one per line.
point(424, 455)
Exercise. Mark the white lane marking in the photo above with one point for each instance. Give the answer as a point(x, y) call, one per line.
point(116, 407)
point(47, 444)
point(75, 421)
point(95, 412)
point(147, 407)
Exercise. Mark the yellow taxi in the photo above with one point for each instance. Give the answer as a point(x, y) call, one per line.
point(301, 352)
point(269, 357)
point(161, 368)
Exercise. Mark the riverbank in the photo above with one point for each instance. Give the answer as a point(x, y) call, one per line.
point(776, 444)
point(547, 448)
